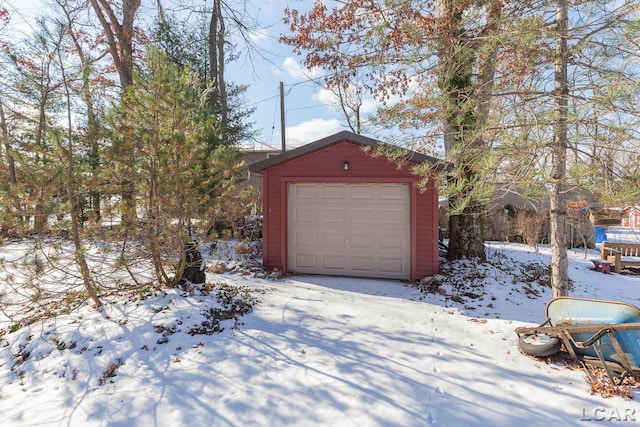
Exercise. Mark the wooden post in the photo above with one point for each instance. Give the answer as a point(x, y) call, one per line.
point(282, 124)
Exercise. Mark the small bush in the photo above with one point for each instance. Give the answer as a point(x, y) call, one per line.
point(531, 226)
point(535, 273)
point(236, 301)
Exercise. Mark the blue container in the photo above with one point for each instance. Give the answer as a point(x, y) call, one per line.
point(601, 236)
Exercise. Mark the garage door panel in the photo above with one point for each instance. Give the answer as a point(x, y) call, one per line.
point(330, 191)
point(362, 215)
point(333, 262)
point(333, 215)
point(305, 238)
point(391, 265)
point(392, 242)
point(362, 264)
point(306, 191)
point(308, 261)
point(391, 192)
point(362, 192)
point(305, 215)
point(361, 229)
point(334, 240)
point(363, 241)
point(392, 217)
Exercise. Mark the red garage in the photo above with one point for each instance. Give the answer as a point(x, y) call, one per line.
point(332, 208)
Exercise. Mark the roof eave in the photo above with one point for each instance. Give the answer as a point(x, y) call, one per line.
point(337, 138)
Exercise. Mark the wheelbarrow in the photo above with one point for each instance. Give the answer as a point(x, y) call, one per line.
point(596, 332)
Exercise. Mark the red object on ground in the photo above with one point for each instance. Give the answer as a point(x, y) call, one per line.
point(602, 265)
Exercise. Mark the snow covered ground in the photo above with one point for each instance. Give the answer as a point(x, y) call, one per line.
point(315, 351)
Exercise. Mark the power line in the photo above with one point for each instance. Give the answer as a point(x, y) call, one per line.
point(262, 100)
point(306, 108)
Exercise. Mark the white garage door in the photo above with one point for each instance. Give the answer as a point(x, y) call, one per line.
point(349, 229)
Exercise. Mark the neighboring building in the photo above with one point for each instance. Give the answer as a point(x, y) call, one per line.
point(331, 208)
point(251, 156)
point(631, 217)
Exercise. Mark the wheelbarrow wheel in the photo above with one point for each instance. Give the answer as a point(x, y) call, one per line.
point(539, 345)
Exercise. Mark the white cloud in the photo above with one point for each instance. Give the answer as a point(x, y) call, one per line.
point(294, 69)
point(258, 35)
point(311, 130)
point(327, 97)
point(369, 106)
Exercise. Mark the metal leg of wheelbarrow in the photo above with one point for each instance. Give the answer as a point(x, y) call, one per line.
point(595, 343)
point(623, 361)
point(568, 343)
point(610, 373)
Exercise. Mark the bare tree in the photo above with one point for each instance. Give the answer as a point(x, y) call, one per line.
point(87, 64)
point(119, 36)
point(217, 35)
point(72, 182)
point(10, 165)
point(558, 209)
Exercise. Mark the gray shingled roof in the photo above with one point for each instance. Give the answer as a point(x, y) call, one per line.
point(332, 140)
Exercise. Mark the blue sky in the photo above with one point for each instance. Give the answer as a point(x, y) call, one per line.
point(309, 111)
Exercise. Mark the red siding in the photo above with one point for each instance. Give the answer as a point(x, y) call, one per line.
point(327, 165)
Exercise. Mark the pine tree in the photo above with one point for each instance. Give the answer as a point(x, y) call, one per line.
point(167, 112)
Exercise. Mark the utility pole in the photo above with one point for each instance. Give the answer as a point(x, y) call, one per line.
point(282, 126)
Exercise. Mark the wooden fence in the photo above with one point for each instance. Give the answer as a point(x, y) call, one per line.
point(507, 223)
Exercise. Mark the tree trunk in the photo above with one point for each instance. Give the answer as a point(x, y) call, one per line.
point(558, 210)
point(119, 36)
point(120, 42)
point(74, 200)
point(463, 236)
point(224, 106)
point(38, 193)
point(213, 57)
point(92, 135)
point(465, 116)
point(218, 96)
point(11, 167)
point(92, 121)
